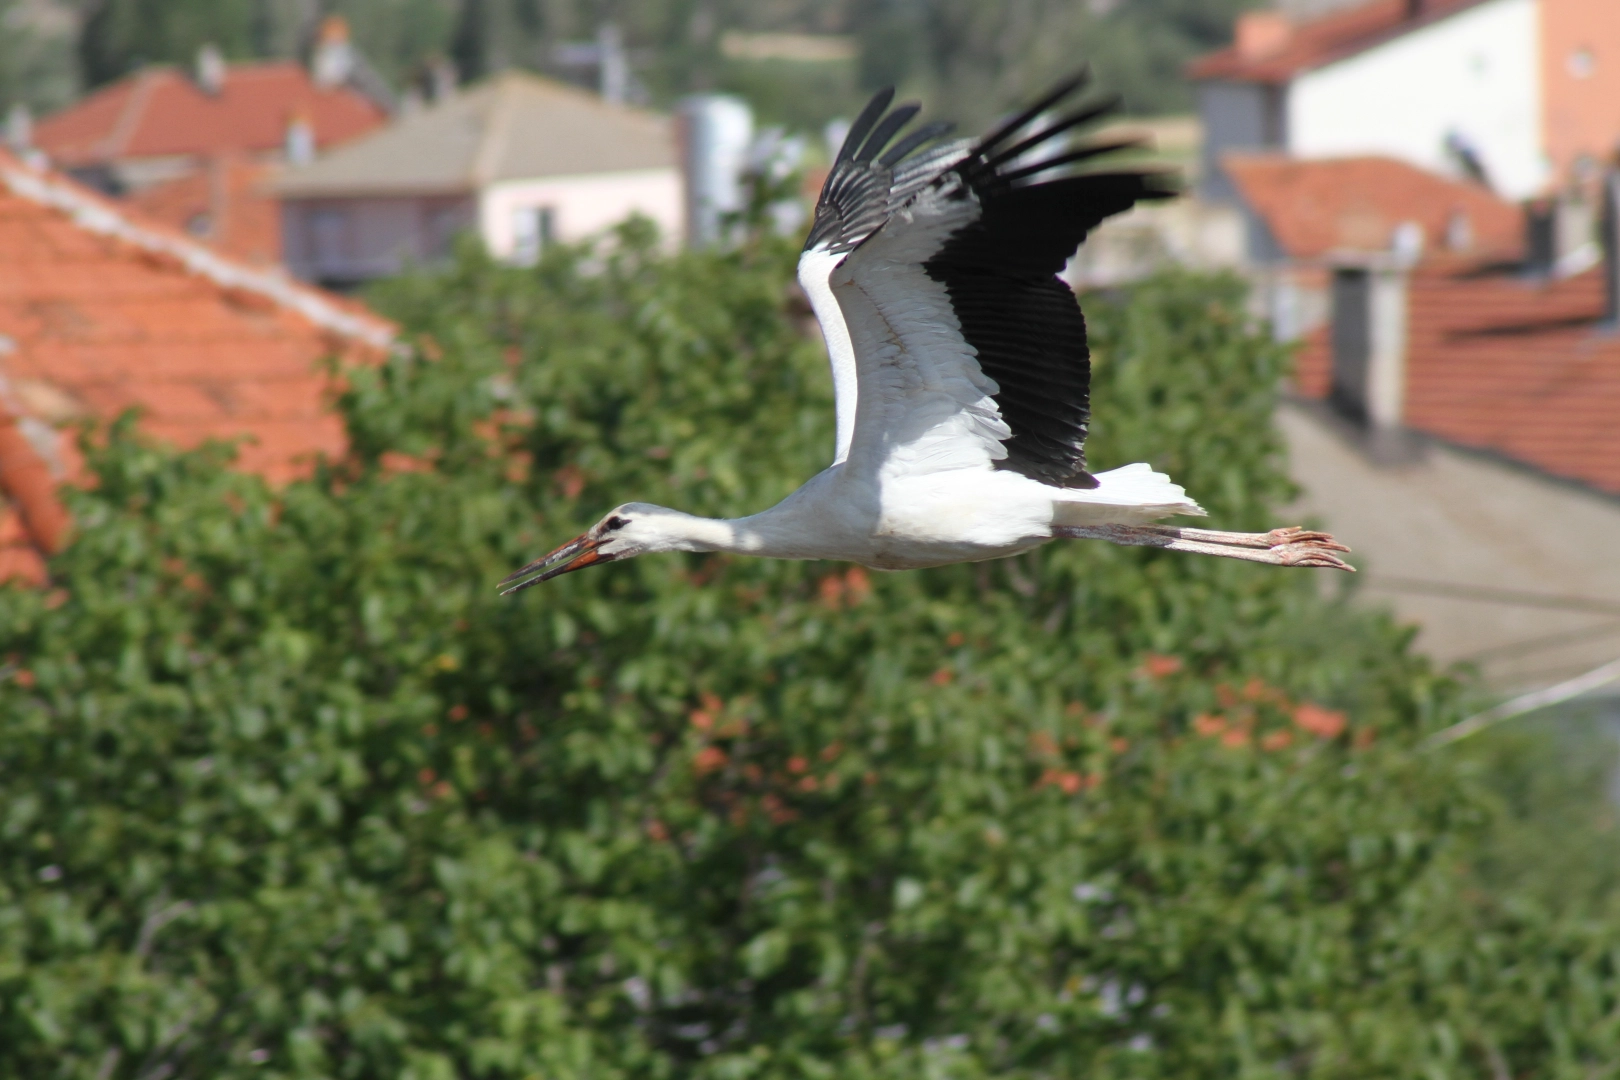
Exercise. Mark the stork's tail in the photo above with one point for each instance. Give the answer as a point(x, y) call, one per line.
point(1132, 495)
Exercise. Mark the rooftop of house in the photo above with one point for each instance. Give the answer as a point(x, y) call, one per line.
point(226, 204)
point(514, 126)
point(1313, 208)
point(162, 112)
point(101, 311)
point(1522, 368)
point(1269, 48)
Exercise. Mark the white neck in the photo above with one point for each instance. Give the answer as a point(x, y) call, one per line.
point(774, 533)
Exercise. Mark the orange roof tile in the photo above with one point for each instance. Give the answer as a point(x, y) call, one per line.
point(1279, 55)
point(159, 112)
point(1314, 207)
point(1518, 367)
point(225, 204)
point(101, 311)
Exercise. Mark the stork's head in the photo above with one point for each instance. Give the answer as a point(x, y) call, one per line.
point(625, 532)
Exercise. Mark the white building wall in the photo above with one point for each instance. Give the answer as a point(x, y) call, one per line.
point(1476, 73)
point(579, 206)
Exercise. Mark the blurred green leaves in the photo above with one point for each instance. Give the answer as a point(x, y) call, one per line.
point(287, 790)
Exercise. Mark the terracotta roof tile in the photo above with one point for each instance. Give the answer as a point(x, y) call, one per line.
point(1279, 57)
point(225, 204)
point(1313, 207)
point(1498, 362)
point(159, 112)
point(101, 311)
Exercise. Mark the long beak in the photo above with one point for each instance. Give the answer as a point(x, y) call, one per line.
point(577, 554)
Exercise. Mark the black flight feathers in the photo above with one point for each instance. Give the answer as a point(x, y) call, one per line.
point(1036, 204)
point(862, 189)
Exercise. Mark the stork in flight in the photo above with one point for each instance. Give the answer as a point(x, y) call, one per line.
point(960, 366)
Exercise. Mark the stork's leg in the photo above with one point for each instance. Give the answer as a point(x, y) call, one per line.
point(1280, 547)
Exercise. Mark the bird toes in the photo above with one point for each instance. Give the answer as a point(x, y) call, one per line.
point(1312, 553)
point(1295, 534)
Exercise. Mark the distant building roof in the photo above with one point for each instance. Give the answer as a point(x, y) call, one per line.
point(225, 204)
point(1270, 49)
point(511, 127)
point(160, 112)
point(1314, 207)
point(100, 312)
point(1518, 367)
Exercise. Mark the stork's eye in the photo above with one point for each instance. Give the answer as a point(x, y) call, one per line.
point(613, 523)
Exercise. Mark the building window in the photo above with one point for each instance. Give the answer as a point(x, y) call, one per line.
point(533, 227)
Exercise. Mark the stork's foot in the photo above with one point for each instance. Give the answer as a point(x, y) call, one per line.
point(1293, 546)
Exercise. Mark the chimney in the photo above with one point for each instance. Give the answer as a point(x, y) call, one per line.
point(1369, 342)
point(333, 61)
point(1611, 245)
point(716, 132)
point(613, 70)
point(1558, 232)
point(1261, 33)
point(441, 79)
point(299, 141)
point(210, 69)
point(19, 129)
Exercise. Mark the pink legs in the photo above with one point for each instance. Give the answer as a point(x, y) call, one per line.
point(1280, 547)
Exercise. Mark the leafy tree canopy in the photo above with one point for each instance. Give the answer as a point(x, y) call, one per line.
point(286, 790)
point(973, 59)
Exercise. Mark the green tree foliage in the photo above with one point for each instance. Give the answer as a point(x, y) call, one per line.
point(37, 67)
point(977, 60)
point(118, 36)
point(971, 59)
point(287, 790)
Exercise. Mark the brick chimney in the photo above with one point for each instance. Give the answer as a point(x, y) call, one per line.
point(1261, 33)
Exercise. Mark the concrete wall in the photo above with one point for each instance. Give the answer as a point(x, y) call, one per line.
point(1491, 560)
point(1477, 73)
point(340, 241)
point(578, 207)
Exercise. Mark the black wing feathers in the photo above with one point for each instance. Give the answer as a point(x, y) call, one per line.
point(863, 188)
point(1001, 275)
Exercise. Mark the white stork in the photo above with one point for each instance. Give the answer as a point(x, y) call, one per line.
point(959, 365)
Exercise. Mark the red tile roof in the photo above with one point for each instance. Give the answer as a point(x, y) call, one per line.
point(225, 204)
point(159, 112)
point(100, 311)
point(1276, 57)
point(1521, 368)
point(1314, 207)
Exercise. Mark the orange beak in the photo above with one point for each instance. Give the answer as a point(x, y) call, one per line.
point(577, 554)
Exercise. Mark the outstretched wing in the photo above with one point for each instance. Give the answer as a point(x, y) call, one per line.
point(867, 181)
point(967, 345)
